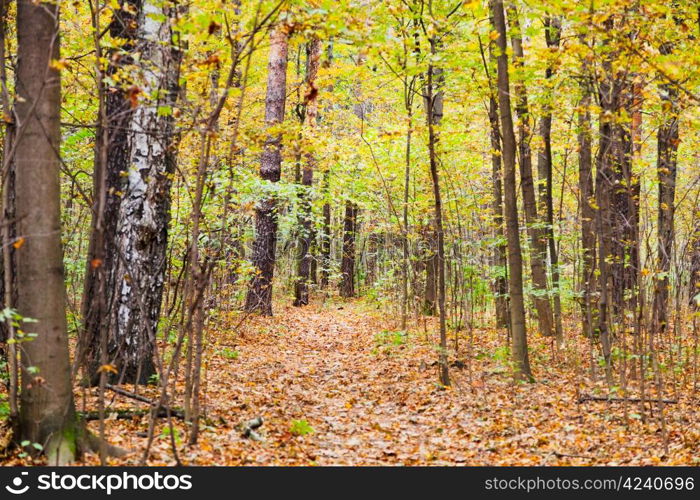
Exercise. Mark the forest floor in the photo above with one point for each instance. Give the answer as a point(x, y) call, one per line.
point(336, 385)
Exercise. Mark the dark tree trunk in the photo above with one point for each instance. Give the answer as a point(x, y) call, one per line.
point(259, 297)
point(603, 191)
point(325, 237)
point(538, 237)
point(7, 269)
point(617, 196)
point(405, 243)
point(112, 157)
point(47, 410)
point(586, 203)
point(434, 107)
point(374, 240)
point(500, 284)
point(500, 258)
point(306, 237)
point(629, 196)
point(431, 272)
point(613, 216)
point(666, 166)
point(313, 278)
point(8, 283)
point(347, 263)
point(544, 169)
point(620, 189)
point(433, 263)
point(515, 260)
point(694, 250)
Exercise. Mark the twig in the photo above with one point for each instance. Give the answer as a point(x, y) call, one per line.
point(127, 414)
point(611, 399)
point(162, 410)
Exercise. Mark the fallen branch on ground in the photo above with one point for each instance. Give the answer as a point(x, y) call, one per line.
point(162, 410)
point(587, 397)
point(128, 414)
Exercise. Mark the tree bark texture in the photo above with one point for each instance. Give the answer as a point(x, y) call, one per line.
point(666, 167)
point(144, 211)
point(259, 297)
point(306, 237)
point(537, 236)
point(47, 410)
point(112, 160)
point(347, 263)
point(515, 260)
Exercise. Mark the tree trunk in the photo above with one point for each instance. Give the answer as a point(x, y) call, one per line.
point(611, 201)
point(325, 246)
point(47, 411)
point(347, 263)
point(434, 107)
point(604, 229)
point(535, 232)
point(325, 236)
point(617, 198)
point(500, 282)
point(405, 243)
point(372, 257)
point(112, 157)
point(694, 282)
point(7, 269)
point(666, 166)
point(521, 361)
point(431, 272)
point(544, 169)
point(259, 297)
point(144, 212)
point(301, 289)
point(587, 213)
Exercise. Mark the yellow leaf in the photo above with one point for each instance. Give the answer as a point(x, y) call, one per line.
point(59, 64)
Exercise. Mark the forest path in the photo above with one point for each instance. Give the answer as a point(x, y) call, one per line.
point(366, 394)
point(371, 396)
point(337, 369)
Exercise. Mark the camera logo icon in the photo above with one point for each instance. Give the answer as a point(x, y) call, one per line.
point(17, 488)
